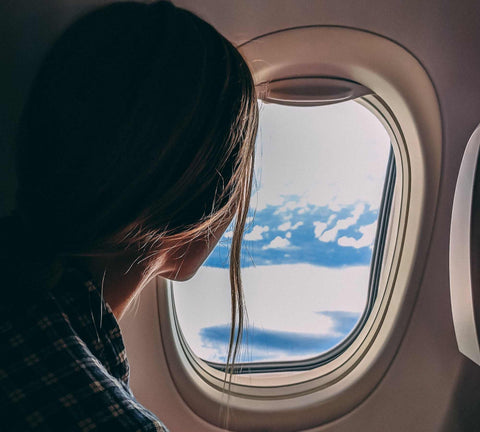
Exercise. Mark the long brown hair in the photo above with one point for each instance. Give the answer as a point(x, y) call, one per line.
point(139, 127)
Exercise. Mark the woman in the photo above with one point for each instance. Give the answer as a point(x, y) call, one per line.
point(135, 152)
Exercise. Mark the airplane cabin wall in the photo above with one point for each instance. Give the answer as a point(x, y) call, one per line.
point(430, 386)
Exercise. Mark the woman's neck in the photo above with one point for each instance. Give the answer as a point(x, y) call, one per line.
point(120, 277)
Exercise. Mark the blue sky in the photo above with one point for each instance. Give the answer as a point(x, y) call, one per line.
point(290, 237)
point(308, 242)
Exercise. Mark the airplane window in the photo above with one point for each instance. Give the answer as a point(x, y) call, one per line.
point(312, 243)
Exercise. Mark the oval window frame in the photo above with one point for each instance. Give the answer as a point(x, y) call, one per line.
point(405, 101)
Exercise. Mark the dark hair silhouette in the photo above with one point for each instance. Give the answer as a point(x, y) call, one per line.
point(139, 127)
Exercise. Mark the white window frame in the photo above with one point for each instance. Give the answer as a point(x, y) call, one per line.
point(374, 284)
point(405, 102)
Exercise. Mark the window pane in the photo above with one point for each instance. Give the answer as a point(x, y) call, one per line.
point(308, 245)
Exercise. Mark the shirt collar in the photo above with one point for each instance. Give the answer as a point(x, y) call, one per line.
point(93, 320)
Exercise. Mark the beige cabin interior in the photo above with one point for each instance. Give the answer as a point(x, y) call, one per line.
point(422, 57)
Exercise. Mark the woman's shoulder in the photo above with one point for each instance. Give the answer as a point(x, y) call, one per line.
point(63, 365)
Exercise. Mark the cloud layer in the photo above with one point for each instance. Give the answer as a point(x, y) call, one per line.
point(302, 300)
point(273, 345)
point(316, 235)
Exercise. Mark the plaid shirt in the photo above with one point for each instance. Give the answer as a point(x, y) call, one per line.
point(63, 365)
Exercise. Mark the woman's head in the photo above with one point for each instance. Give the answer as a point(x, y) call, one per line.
point(137, 139)
point(138, 132)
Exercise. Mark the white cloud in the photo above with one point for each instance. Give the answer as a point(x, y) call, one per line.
point(256, 233)
point(288, 226)
point(295, 203)
point(228, 234)
point(331, 234)
point(358, 211)
point(288, 235)
point(288, 206)
point(319, 228)
point(334, 205)
point(278, 243)
point(367, 238)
